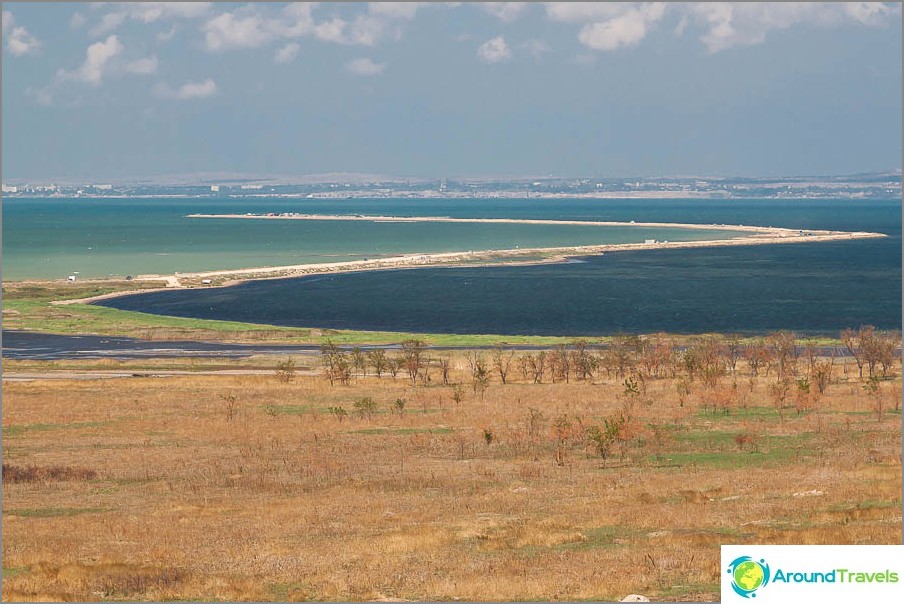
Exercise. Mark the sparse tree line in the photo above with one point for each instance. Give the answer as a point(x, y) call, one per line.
point(703, 360)
point(708, 369)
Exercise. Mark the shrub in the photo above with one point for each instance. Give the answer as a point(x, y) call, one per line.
point(366, 407)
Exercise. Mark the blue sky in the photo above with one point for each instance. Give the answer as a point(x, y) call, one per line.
point(144, 90)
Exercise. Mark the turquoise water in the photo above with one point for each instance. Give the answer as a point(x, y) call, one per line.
point(811, 288)
point(50, 239)
point(815, 288)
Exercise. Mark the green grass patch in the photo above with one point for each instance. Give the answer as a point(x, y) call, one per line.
point(14, 571)
point(683, 592)
point(731, 460)
point(53, 512)
point(401, 431)
point(751, 413)
point(869, 504)
point(286, 409)
point(603, 536)
point(18, 430)
point(287, 592)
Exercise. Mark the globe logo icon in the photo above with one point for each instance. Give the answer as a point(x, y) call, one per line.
point(748, 575)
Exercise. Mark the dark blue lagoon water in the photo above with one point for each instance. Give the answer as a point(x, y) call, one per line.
point(814, 288)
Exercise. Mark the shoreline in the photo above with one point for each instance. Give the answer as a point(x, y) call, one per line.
point(596, 223)
point(551, 255)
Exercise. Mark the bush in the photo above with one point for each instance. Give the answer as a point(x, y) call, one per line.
point(285, 370)
point(365, 407)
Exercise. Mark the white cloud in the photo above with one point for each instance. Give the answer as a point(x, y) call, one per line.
point(96, 58)
point(331, 31)
point(365, 67)
point(626, 29)
point(166, 36)
point(77, 20)
point(18, 41)
point(581, 12)
point(148, 12)
point(396, 10)
point(145, 12)
point(287, 53)
point(493, 50)
point(228, 31)
point(254, 26)
point(608, 26)
point(187, 91)
point(737, 24)
point(108, 23)
point(506, 11)
point(145, 66)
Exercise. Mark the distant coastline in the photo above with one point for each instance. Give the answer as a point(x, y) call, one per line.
point(758, 235)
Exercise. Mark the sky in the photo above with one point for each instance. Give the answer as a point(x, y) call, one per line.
point(120, 91)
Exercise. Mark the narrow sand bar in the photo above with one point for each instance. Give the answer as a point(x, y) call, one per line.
point(758, 235)
point(361, 218)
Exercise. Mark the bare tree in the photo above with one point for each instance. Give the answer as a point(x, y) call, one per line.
point(502, 359)
point(582, 359)
point(445, 365)
point(853, 341)
point(359, 360)
point(757, 356)
point(783, 348)
point(734, 350)
point(480, 374)
point(378, 360)
point(412, 358)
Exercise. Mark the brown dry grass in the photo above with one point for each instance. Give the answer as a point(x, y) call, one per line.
point(286, 502)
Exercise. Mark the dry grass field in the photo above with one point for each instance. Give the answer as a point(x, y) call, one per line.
point(246, 487)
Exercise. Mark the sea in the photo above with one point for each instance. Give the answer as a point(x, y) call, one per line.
point(810, 288)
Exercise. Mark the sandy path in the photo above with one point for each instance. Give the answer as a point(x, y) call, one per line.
point(361, 218)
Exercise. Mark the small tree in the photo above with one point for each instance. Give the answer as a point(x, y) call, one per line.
point(378, 360)
point(854, 342)
point(412, 358)
point(458, 394)
point(445, 365)
point(399, 406)
point(871, 387)
point(230, 407)
point(502, 359)
point(393, 365)
point(612, 432)
point(338, 412)
point(285, 370)
point(359, 361)
point(779, 392)
point(365, 407)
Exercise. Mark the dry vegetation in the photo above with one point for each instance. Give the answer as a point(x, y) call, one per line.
point(624, 476)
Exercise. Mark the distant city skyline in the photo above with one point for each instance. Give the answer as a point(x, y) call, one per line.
point(143, 91)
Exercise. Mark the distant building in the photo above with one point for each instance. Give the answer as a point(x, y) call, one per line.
point(10, 189)
point(214, 188)
point(103, 187)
